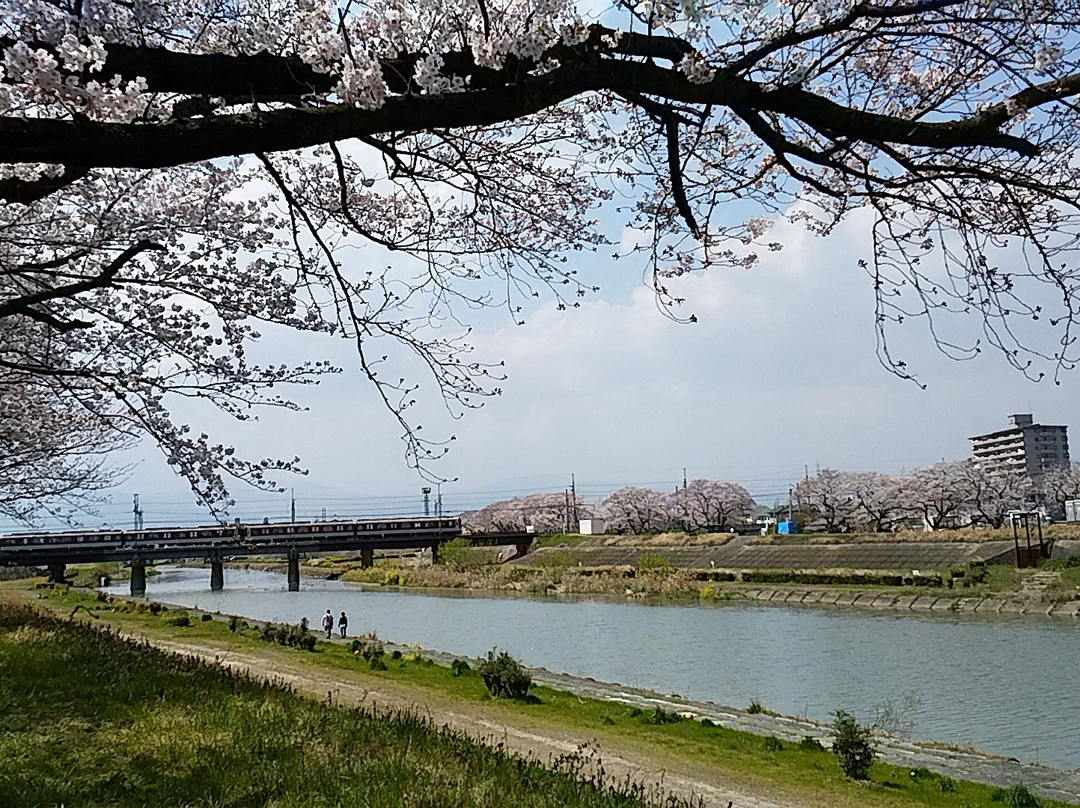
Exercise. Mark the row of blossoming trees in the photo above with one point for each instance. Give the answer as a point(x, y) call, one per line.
point(702, 504)
point(946, 494)
point(943, 495)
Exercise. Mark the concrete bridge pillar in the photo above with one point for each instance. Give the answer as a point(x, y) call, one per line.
point(522, 549)
point(367, 557)
point(217, 575)
point(294, 571)
point(57, 573)
point(138, 578)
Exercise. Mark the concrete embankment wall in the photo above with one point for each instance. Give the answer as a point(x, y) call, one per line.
point(866, 556)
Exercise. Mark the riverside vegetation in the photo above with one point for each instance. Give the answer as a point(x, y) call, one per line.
point(557, 569)
point(90, 718)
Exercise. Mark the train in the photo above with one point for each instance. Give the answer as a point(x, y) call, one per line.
point(246, 536)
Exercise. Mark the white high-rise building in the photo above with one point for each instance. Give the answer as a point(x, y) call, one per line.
point(1025, 446)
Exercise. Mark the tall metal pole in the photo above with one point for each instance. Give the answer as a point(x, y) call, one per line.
point(137, 514)
point(292, 502)
point(426, 491)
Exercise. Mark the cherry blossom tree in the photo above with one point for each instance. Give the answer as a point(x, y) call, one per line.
point(939, 494)
point(638, 510)
point(544, 512)
point(829, 498)
point(711, 504)
point(178, 177)
point(879, 502)
point(53, 458)
point(993, 492)
point(1059, 484)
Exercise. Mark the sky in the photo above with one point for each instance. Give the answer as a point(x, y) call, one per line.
point(776, 379)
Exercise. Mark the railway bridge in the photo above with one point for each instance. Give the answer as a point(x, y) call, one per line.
point(216, 543)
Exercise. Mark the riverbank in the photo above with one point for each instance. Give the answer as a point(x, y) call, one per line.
point(691, 574)
point(756, 771)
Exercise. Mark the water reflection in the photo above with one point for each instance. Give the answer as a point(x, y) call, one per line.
point(1003, 685)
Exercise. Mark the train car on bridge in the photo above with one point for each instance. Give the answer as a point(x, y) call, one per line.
point(221, 534)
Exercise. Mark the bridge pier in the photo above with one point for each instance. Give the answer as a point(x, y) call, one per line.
point(138, 578)
point(57, 573)
point(435, 553)
point(522, 549)
point(294, 571)
point(367, 557)
point(217, 575)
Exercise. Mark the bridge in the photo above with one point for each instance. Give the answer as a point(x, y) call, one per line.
point(216, 543)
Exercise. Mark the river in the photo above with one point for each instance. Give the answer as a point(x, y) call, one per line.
point(1004, 685)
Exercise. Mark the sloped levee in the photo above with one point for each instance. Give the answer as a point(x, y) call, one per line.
point(870, 556)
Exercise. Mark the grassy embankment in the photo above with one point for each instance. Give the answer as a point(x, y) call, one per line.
point(91, 719)
point(88, 719)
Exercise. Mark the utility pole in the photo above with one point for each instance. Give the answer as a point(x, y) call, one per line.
point(566, 511)
point(426, 491)
point(686, 503)
point(573, 499)
point(292, 510)
point(438, 499)
point(137, 514)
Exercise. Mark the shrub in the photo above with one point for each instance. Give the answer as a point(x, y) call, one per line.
point(652, 562)
point(853, 745)
point(773, 744)
point(180, 619)
point(660, 716)
point(293, 636)
point(755, 708)
point(371, 650)
point(504, 676)
point(206, 618)
point(460, 555)
point(234, 623)
point(459, 667)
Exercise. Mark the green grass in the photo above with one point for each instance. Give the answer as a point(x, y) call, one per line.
point(90, 719)
point(566, 540)
point(800, 772)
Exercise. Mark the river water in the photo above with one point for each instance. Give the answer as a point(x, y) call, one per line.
point(1004, 685)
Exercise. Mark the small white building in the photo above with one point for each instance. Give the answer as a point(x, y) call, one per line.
point(591, 527)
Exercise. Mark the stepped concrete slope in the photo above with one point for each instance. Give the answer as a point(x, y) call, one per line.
point(869, 556)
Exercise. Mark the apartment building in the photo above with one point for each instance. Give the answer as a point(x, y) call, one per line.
point(1025, 446)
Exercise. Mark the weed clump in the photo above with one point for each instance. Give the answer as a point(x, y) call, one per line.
point(504, 676)
point(811, 744)
point(1015, 797)
point(370, 649)
point(296, 636)
point(459, 667)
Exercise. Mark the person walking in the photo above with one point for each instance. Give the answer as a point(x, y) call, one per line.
point(328, 623)
point(343, 623)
